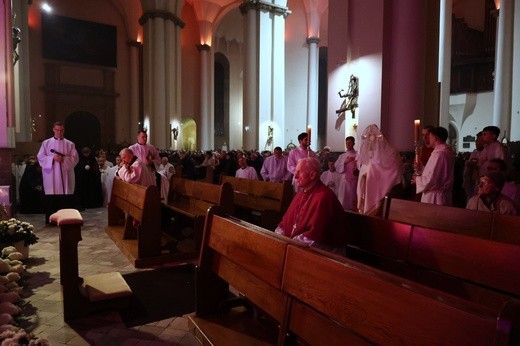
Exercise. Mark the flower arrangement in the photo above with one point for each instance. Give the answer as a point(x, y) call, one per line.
point(13, 230)
point(17, 336)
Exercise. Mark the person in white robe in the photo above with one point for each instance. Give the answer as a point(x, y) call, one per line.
point(493, 149)
point(380, 169)
point(346, 166)
point(133, 170)
point(109, 180)
point(244, 171)
point(297, 153)
point(331, 177)
point(436, 179)
point(274, 168)
point(58, 157)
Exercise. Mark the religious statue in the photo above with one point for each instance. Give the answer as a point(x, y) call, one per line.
point(269, 142)
point(175, 133)
point(351, 97)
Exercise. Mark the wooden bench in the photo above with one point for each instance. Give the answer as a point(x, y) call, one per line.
point(506, 228)
point(260, 202)
point(141, 244)
point(451, 219)
point(189, 200)
point(335, 301)
point(90, 293)
point(476, 269)
point(251, 260)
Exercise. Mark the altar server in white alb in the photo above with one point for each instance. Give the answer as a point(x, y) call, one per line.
point(436, 179)
point(57, 157)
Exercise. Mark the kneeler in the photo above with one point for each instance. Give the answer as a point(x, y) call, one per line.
point(84, 295)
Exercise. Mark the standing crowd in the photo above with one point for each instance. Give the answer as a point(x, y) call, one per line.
point(324, 185)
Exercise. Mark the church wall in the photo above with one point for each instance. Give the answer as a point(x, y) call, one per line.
point(480, 116)
point(355, 47)
point(296, 76)
point(98, 11)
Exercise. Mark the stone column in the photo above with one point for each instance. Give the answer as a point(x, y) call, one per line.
point(264, 66)
point(504, 68)
point(312, 95)
point(445, 62)
point(207, 127)
point(162, 69)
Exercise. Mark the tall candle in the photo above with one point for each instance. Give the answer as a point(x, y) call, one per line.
point(417, 129)
point(309, 133)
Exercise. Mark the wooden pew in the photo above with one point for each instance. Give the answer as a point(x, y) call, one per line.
point(451, 219)
point(251, 260)
point(141, 245)
point(506, 228)
point(189, 200)
point(378, 242)
point(260, 202)
point(476, 269)
point(336, 301)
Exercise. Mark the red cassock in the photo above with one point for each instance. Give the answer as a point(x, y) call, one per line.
point(317, 214)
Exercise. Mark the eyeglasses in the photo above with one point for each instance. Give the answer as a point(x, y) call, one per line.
point(485, 181)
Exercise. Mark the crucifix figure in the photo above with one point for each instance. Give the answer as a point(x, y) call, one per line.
point(351, 97)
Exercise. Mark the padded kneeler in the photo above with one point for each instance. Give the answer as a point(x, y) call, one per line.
point(106, 286)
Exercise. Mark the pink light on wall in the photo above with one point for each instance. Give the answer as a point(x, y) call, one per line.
point(497, 4)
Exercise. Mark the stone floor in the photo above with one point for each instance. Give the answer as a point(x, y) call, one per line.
point(43, 311)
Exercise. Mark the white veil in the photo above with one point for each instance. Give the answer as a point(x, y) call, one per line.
point(380, 169)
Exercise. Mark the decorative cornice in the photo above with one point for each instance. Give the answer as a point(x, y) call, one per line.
point(259, 5)
point(313, 39)
point(135, 44)
point(161, 14)
point(203, 47)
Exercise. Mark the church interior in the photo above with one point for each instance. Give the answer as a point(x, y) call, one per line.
point(201, 75)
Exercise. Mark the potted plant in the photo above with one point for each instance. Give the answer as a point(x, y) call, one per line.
point(19, 234)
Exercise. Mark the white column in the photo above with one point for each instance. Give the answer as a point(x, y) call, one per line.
point(515, 108)
point(162, 69)
point(250, 82)
point(206, 132)
point(504, 68)
point(445, 61)
point(312, 95)
point(264, 66)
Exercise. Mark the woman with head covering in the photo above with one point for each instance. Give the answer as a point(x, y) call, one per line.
point(380, 169)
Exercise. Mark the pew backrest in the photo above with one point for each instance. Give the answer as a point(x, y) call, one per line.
point(486, 262)
point(248, 258)
point(450, 219)
point(506, 228)
point(368, 306)
point(198, 196)
point(268, 199)
point(142, 203)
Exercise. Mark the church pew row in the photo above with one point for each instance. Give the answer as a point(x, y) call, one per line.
point(476, 269)
point(142, 244)
point(503, 228)
point(251, 260)
point(189, 200)
point(335, 301)
point(260, 202)
point(289, 293)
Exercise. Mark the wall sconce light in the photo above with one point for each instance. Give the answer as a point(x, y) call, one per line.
point(246, 128)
